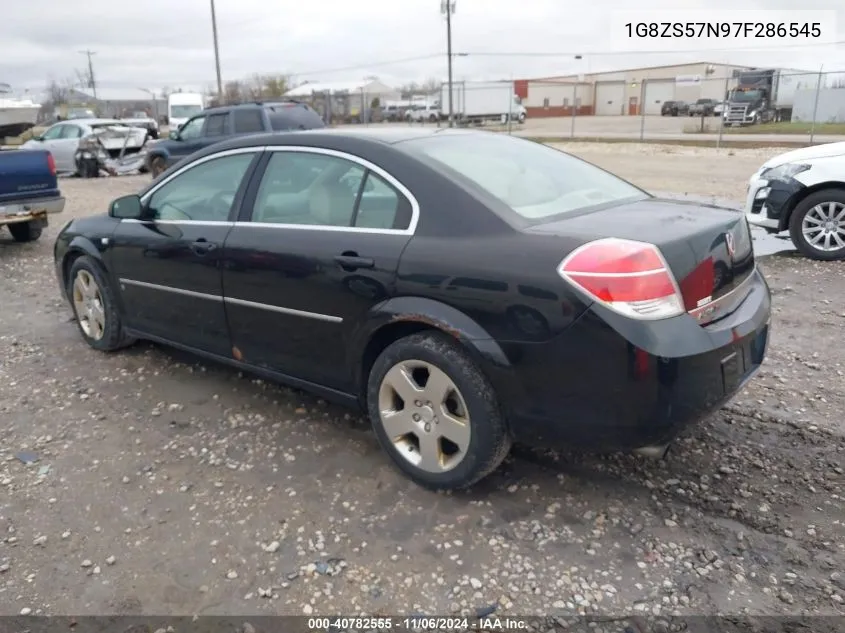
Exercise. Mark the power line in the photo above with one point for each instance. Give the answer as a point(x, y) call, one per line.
point(639, 52)
point(92, 82)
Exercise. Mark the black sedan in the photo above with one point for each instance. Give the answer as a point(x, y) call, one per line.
point(674, 108)
point(466, 289)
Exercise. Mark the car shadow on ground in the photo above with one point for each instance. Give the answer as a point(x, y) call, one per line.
point(734, 452)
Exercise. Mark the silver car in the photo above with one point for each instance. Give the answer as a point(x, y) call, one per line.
point(62, 140)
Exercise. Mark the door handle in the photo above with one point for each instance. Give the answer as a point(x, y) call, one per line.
point(351, 261)
point(203, 246)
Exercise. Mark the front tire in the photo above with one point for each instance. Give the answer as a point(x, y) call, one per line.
point(817, 225)
point(25, 231)
point(435, 413)
point(95, 307)
point(157, 166)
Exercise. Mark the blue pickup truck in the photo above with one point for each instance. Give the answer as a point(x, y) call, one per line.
point(29, 192)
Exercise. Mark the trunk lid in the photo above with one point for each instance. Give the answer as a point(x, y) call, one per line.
point(708, 248)
point(26, 174)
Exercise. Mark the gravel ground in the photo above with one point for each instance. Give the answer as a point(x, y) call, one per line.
point(146, 482)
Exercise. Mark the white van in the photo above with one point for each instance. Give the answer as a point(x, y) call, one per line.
point(181, 106)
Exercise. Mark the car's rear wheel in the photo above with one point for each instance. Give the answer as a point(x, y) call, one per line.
point(817, 225)
point(25, 231)
point(157, 166)
point(94, 306)
point(435, 413)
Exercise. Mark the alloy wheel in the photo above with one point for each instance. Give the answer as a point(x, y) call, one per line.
point(88, 305)
point(823, 226)
point(424, 415)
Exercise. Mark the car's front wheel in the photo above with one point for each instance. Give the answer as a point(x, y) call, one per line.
point(25, 231)
point(94, 306)
point(435, 413)
point(157, 166)
point(817, 225)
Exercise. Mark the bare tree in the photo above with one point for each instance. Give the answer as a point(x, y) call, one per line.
point(58, 93)
point(233, 92)
point(430, 86)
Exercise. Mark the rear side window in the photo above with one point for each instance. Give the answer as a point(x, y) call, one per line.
point(216, 125)
point(295, 117)
point(248, 121)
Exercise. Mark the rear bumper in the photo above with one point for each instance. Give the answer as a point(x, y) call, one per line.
point(594, 387)
point(27, 210)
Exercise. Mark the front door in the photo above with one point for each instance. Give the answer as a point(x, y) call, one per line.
point(633, 109)
point(168, 267)
point(320, 249)
point(53, 141)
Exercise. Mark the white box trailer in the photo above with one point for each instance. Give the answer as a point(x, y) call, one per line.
point(478, 101)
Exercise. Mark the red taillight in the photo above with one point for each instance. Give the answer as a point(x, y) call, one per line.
point(51, 163)
point(629, 277)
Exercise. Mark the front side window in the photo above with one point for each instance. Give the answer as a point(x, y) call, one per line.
point(204, 193)
point(534, 180)
point(54, 132)
point(192, 129)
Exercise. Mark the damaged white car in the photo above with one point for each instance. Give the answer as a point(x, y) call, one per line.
point(76, 144)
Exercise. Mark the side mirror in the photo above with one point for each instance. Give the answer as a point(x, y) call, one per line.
point(174, 135)
point(37, 138)
point(127, 208)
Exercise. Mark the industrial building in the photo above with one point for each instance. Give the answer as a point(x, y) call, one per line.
point(633, 91)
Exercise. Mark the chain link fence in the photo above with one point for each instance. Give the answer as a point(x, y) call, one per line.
point(784, 105)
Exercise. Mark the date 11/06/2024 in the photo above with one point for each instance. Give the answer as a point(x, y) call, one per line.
point(453, 624)
point(717, 30)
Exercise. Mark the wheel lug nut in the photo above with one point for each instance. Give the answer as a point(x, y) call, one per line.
point(427, 428)
point(417, 403)
point(416, 417)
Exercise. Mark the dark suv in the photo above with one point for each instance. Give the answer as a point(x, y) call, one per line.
point(216, 124)
point(674, 108)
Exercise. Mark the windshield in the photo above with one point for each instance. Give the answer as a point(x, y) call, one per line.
point(185, 111)
point(534, 180)
point(746, 95)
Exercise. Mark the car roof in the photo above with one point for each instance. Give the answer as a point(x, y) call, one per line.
point(88, 121)
point(387, 135)
point(252, 104)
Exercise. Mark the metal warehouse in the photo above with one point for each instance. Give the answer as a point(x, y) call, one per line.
point(625, 92)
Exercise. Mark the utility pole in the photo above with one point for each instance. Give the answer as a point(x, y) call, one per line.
point(447, 7)
point(216, 54)
point(92, 83)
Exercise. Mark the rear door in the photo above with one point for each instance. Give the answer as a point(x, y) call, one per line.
point(168, 269)
point(318, 248)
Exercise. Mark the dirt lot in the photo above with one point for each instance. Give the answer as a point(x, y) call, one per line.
point(167, 486)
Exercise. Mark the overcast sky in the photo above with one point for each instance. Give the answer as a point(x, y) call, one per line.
point(155, 43)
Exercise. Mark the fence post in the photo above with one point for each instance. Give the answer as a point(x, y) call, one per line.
point(511, 93)
point(816, 104)
point(642, 110)
point(574, 110)
point(725, 102)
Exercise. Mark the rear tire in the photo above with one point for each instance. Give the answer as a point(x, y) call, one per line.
point(447, 434)
point(825, 208)
point(94, 306)
point(25, 231)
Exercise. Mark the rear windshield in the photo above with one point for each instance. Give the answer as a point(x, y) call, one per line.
point(534, 180)
point(294, 117)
